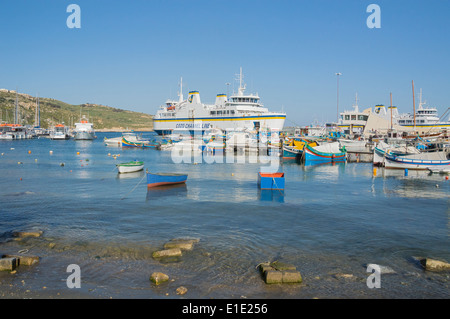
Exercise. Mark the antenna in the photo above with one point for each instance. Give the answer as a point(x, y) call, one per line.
point(180, 94)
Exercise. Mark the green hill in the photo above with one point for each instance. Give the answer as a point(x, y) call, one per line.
point(105, 118)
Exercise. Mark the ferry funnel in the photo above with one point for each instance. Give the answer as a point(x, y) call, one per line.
point(194, 97)
point(221, 99)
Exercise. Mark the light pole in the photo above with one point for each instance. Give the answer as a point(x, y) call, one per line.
point(228, 89)
point(337, 107)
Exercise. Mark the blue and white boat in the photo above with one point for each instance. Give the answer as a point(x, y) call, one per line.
point(422, 161)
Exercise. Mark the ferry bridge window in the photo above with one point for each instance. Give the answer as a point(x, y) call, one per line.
point(232, 111)
point(347, 117)
point(213, 112)
point(219, 112)
point(353, 117)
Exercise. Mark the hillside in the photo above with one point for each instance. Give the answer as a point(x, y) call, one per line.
point(105, 118)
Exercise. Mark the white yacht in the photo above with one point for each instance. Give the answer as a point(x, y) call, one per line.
point(240, 111)
point(13, 132)
point(84, 130)
point(59, 132)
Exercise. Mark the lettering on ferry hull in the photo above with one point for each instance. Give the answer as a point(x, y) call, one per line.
point(193, 125)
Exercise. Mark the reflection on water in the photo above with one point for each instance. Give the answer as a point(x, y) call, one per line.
point(331, 218)
point(271, 195)
point(177, 190)
point(132, 175)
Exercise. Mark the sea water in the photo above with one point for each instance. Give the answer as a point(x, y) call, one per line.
point(331, 221)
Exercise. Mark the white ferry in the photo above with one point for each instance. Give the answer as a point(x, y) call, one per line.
point(240, 111)
point(84, 130)
point(425, 120)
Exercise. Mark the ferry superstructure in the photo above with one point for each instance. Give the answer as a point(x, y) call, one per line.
point(238, 112)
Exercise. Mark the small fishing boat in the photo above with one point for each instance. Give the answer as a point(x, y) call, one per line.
point(160, 179)
point(271, 180)
point(422, 161)
point(290, 152)
point(329, 152)
point(142, 144)
point(130, 167)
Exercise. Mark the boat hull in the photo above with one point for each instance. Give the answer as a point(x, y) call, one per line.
point(130, 167)
point(311, 154)
point(155, 180)
point(84, 136)
point(398, 162)
point(271, 181)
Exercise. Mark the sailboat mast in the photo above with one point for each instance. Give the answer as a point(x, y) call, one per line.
point(391, 111)
point(16, 110)
point(414, 105)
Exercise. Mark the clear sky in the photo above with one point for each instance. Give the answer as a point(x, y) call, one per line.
point(131, 54)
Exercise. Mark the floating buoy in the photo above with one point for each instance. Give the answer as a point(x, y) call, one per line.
point(109, 154)
point(446, 178)
point(35, 159)
point(374, 171)
point(12, 148)
point(29, 152)
point(87, 159)
point(78, 153)
point(437, 185)
point(232, 174)
point(21, 178)
point(51, 152)
point(2, 154)
point(61, 164)
point(19, 163)
point(406, 172)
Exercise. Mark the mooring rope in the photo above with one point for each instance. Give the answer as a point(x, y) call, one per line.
point(134, 187)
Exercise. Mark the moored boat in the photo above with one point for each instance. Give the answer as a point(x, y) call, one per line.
point(422, 161)
point(271, 180)
point(142, 144)
point(329, 152)
point(130, 167)
point(59, 132)
point(84, 130)
point(160, 179)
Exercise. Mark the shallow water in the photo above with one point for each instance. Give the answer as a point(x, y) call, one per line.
point(331, 220)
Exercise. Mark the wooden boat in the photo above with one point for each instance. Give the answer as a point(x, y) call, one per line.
point(160, 179)
point(294, 149)
point(130, 167)
point(140, 144)
point(329, 152)
point(271, 180)
point(423, 161)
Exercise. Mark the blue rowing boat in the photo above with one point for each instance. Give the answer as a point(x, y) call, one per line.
point(160, 179)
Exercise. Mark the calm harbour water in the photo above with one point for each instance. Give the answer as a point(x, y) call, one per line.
point(331, 220)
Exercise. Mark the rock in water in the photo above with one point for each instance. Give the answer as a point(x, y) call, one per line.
point(158, 278)
point(434, 265)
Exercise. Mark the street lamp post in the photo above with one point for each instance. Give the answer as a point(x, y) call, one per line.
point(337, 107)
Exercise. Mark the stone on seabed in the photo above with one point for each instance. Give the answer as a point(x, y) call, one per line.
point(277, 273)
point(167, 253)
point(22, 234)
point(8, 264)
point(432, 264)
point(24, 260)
point(181, 244)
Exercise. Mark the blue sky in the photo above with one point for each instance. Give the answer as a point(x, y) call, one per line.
point(131, 54)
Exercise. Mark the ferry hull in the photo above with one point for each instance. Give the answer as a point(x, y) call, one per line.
point(84, 136)
point(167, 126)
